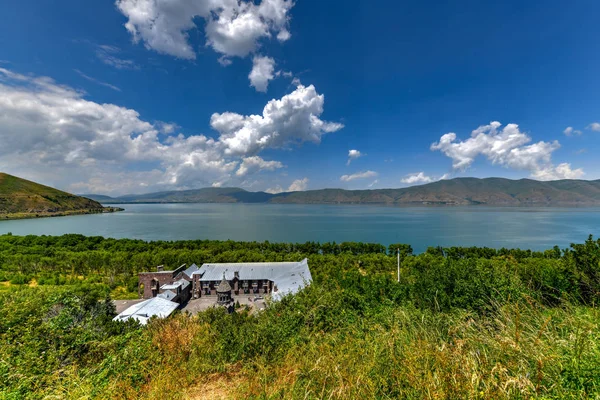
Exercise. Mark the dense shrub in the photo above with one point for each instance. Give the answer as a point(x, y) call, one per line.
point(461, 323)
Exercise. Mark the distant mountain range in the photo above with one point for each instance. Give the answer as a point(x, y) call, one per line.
point(458, 191)
point(20, 198)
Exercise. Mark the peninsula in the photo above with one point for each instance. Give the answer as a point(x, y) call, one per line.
point(20, 198)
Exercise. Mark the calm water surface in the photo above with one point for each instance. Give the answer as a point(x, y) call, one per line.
point(420, 226)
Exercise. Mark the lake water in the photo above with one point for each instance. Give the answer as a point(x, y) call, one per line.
point(539, 228)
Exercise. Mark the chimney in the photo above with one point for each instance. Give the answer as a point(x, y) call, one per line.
point(160, 268)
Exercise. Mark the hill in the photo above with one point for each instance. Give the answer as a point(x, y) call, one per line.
point(20, 198)
point(458, 191)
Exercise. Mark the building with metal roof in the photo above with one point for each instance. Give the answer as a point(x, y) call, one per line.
point(190, 270)
point(275, 278)
point(156, 307)
point(167, 290)
point(152, 284)
point(167, 294)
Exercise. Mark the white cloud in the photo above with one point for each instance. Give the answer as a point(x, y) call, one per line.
point(422, 178)
point(51, 133)
point(419, 177)
point(570, 131)
point(561, 171)
point(224, 61)
point(284, 35)
point(89, 78)
point(375, 182)
point(595, 126)
point(507, 147)
point(167, 127)
point(232, 27)
point(358, 175)
point(353, 155)
point(255, 163)
point(275, 189)
point(292, 119)
point(299, 185)
point(109, 56)
point(262, 72)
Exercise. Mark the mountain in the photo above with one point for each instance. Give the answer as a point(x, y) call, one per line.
point(20, 198)
point(458, 191)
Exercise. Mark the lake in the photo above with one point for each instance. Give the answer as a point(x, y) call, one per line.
point(533, 228)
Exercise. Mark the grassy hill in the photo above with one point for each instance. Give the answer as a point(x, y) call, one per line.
point(20, 198)
point(459, 191)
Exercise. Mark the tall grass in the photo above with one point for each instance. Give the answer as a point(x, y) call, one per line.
point(520, 350)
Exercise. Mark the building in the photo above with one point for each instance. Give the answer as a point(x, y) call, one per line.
point(275, 279)
point(265, 278)
point(142, 312)
point(165, 291)
point(174, 285)
point(178, 292)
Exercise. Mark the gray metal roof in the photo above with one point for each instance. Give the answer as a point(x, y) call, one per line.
point(289, 277)
point(292, 280)
point(191, 269)
point(184, 283)
point(246, 271)
point(167, 294)
point(173, 286)
point(142, 312)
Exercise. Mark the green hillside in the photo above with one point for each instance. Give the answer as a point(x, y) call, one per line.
point(459, 191)
point(20, 198)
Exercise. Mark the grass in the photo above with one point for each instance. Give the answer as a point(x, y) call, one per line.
point(521, 351)
point(460, 326)
point(20, 198)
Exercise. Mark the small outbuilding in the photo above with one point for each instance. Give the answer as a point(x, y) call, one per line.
point(156, 307)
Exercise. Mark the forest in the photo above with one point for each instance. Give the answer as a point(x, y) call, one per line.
point(476, 323)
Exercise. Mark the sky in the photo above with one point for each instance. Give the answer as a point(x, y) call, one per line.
point(136, 96)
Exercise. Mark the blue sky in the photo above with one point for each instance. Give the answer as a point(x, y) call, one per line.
point(134, 96)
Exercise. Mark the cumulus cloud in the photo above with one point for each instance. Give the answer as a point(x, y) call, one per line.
point(419, 177)
point(507, 147)
point(595, 126)
point(51, 133)
point(255, 163)
point(422, 178)
point(569, 131)
point(232, 27)
point(299, 185)
point(353, 155)
point(292, 119)
point(262, 73)
point(358, 175)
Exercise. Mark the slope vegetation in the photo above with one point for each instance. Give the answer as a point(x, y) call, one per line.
point(20, 198)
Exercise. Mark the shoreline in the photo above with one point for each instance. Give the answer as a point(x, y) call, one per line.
point(16, 216)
